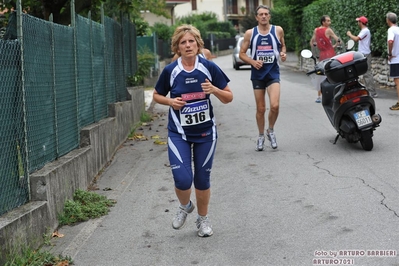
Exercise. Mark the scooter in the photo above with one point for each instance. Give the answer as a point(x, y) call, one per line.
point(347, 103)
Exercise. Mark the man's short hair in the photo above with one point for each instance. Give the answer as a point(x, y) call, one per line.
point(261, 6)
point(323, 18)
point(392, 17)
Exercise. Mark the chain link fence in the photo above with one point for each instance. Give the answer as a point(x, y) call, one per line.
point(55, 80)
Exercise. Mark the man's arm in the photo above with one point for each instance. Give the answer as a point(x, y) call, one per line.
point(390, 39)
point(280, 34)
point(244, 47)
point(313, 39)
point(353, 37)
point(207, 53)
point(390, 47)
point(175, 56)
point(330, 33)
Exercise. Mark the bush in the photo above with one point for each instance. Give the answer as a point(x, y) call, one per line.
point(248, 22)
point(84, 206)
point(282, 16)
point(146, 60)
point(226, 28)
point(195, 18)
point(207, 23)
point(218, 34)
point(162, 31)
point(142, 27)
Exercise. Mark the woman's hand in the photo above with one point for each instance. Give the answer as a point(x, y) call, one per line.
point(177, 103)
point(207, 87)
point(224, 95)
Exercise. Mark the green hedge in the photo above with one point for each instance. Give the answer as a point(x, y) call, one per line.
point(205, 22)
point(299, 21)
point(343, 14)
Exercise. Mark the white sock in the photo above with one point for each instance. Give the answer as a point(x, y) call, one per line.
point(186, 206)
point(202, 217)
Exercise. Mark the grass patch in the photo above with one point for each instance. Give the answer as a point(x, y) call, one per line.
point(145, 117)
point(84, 206)
point(30, 257)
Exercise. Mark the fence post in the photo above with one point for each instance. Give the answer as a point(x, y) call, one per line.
point(156, 51)
point(54, 86)
point(75, 54)
point(92, 67)
point(106, 59)
point(21, 40)
point(122, 44)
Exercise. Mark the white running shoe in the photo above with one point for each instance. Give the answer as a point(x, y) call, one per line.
point(260, 144)
point(272, 138)
point(181, 215)
point(204, 227)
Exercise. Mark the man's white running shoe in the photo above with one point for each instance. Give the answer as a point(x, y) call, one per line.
point(272, 138)
point(260, 143)
point(181, 215)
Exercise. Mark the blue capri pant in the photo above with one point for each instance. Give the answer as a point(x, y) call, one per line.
point(182, 153)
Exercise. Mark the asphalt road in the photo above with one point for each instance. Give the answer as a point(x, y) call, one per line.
point(309, 202)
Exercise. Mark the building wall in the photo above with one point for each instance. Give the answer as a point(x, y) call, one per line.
point(152, 19)
point(215, 6)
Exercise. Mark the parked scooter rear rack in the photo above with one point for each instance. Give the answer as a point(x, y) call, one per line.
point(347, 103)
point(346, 66)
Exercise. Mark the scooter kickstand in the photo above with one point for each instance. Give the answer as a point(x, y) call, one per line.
point(336, 139)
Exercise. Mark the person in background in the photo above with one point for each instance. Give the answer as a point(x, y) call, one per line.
point(322, 38)
point(268, 47)
point(189, 81)
point(364, 39)
point(393, 52)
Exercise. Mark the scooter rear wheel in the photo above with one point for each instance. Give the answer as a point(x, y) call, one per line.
point(367, 140)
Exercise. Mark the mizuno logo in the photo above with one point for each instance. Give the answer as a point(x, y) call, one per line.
point(188, 109)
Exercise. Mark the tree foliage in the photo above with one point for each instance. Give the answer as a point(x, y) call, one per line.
point(163, 31)
point(61, 11)
point(208, 23)
point(288, 14)
point(194, 18)
point(248, 21)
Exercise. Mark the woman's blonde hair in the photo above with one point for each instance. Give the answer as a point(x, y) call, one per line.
point(179, 33)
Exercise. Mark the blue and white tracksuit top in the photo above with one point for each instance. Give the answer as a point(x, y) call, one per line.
point(195, 121)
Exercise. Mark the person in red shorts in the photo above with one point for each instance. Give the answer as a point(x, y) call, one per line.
point(322, 38)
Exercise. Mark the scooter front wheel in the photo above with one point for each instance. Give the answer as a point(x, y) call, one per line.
point(366, 140)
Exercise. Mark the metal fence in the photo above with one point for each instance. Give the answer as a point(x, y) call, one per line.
point(55, 80)
point(219, 44)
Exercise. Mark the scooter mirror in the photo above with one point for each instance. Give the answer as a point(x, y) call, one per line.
point(306, 53)
point(350, 45)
